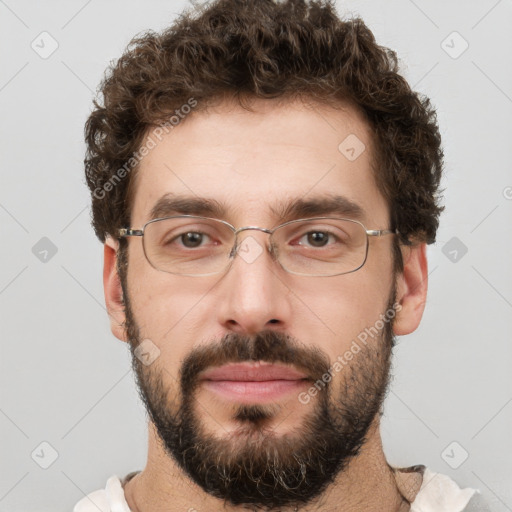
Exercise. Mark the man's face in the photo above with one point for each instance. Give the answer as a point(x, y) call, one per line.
point(280, 442)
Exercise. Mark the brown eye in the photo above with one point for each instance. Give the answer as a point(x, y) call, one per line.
point(192, 239)
point(318, 238)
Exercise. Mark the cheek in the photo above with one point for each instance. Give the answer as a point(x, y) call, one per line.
point(334, 313)
point(160, 301)
point(171, 311)
point(166, 342)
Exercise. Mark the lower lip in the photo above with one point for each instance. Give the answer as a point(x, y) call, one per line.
point(254, 391)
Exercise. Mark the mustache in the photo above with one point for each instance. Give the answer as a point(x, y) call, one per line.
point(268, 346)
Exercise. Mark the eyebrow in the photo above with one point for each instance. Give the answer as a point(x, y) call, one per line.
point(292, 209)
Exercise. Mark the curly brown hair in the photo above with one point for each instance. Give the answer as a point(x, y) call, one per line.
point(246, 49)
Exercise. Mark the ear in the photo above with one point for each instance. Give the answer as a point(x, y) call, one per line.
point(113, 290)
point(411, 289)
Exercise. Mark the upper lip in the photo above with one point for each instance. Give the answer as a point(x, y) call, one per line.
point(252, 372)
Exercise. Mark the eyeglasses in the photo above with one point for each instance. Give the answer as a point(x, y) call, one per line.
point(201, 246)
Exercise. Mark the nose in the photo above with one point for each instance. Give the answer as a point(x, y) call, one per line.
point(253, 294)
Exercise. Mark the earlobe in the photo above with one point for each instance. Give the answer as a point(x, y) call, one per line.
point(113, 289)
point(411, 288)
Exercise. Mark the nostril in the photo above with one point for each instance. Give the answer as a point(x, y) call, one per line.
point(273, 321)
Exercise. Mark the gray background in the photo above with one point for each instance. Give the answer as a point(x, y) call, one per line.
point(66, 381)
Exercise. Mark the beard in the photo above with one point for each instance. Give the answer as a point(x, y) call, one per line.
point(253, 465)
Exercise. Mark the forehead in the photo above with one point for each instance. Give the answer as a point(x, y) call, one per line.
point(257, 166)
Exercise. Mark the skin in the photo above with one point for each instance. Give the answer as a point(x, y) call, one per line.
point(250, 160)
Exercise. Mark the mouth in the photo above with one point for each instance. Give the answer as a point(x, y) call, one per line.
point(253, 382)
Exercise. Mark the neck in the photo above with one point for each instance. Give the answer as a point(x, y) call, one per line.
point(367, 483)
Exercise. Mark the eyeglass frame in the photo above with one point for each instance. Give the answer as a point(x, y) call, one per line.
point(127, 232)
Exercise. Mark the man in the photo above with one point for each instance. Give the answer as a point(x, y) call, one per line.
point(265, 184)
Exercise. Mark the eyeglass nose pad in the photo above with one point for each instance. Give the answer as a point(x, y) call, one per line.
point(273, 250)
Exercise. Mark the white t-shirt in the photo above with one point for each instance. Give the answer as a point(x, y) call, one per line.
point(438, 493)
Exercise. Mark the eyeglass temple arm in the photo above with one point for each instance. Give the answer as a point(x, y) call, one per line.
point(123, 232)
point(381, 232)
